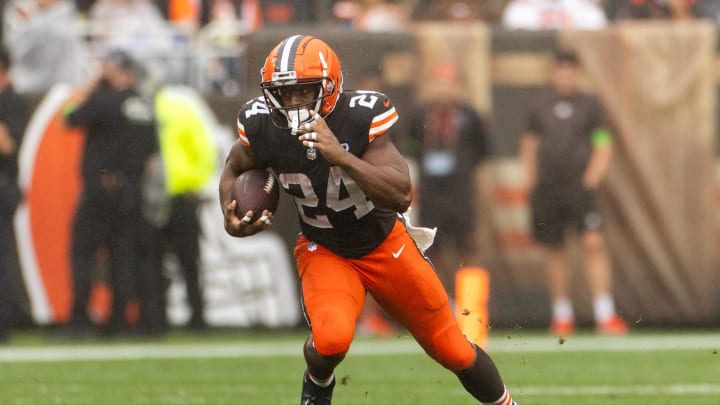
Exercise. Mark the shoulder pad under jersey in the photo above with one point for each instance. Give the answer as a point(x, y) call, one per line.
point(370, 108)
point(251, 117)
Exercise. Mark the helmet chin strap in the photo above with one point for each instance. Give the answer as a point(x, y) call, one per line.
point(295, 117)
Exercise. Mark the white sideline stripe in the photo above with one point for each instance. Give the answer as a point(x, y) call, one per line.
point(640, 342)
point(677, 389)
point(159, 351)
point(403, 345)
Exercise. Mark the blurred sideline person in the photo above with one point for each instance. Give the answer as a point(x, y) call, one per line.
point(332, 154)
point(189, 161)
point(13, 119)
point(448, 138)
point(565, 153)
point(120, 137)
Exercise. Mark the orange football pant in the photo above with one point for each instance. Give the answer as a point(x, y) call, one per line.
point(400, 279)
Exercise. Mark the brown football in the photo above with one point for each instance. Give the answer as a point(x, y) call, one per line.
point(255, 190)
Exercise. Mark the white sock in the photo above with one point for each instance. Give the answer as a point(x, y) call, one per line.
point(562, 310)
point(319, 383)
point(603, 308)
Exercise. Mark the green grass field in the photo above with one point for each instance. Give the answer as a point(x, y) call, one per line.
point(265, 369)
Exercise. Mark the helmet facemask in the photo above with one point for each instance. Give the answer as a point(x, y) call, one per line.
point(293, 116)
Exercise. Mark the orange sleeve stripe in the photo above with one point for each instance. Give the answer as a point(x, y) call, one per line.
point(381, 123)
point(241, 133)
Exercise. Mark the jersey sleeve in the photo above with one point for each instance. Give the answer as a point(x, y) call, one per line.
point(248, 119)
point(376, 109)
point(253, 127)
point(242, 135)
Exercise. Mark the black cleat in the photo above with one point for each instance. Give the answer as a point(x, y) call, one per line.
point(315, 395)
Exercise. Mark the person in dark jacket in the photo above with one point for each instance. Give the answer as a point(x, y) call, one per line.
point(448, 138)
point(120, 137)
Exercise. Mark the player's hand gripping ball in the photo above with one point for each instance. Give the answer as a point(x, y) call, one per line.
point(255, 190)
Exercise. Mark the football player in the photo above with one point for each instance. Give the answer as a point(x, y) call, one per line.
point(332, 153)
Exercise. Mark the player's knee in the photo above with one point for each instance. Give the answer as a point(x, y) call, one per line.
point(452, 350)
point(333, 332)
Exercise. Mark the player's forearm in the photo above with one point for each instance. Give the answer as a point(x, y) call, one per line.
point(597, 167)
point(528, 159)
point(385, 185)
point(239, 159)
point(8, 146)
point(229, 173)
point(227, 177)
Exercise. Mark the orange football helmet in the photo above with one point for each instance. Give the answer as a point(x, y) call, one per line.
point(301, 60)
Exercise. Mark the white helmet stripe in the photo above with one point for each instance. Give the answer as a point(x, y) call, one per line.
point(318, 105)
point(324, 63)
point(288, 51)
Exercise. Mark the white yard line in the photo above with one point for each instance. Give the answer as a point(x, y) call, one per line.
point(509, 343)
point(676, 389)
point(586, 343)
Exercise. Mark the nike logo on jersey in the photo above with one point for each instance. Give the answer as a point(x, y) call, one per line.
point(386, 103)
point(399, 252)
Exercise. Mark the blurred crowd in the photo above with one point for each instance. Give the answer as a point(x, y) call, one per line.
point(202, 42)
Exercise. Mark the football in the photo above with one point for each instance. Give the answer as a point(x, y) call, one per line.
point(255, 190)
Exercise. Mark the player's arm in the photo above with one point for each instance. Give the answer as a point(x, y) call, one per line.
point(239, 159)
point(88, 104)
point(12, 127)
point(599, 159)
point(529, 144)
point(382, 172)
point(602, 141)
point(8, 146)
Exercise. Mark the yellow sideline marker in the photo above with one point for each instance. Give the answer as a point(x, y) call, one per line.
point(472, 292)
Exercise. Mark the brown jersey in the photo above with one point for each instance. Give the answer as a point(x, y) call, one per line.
point(332, 210)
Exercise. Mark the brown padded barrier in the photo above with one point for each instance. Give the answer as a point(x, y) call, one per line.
point(657, 81)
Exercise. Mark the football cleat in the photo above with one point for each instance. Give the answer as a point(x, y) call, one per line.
point(313, 394)
point(613, 326)
point(562, 328)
